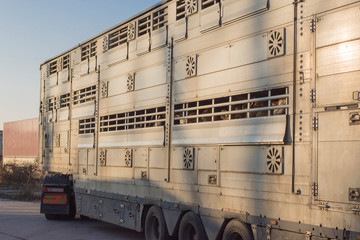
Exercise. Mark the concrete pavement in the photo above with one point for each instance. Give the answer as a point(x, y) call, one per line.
point(23, 221)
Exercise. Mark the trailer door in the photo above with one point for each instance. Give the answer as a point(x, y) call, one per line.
point(336, 112)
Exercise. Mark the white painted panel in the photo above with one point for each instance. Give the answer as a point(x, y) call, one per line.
point(257, 130)
point(84, 110)
point(150, 77)
point(335, 126)
point(141, 157)
point(339, 58)
point(338, 27)
point(337, 89)
point(207, 158)
point(86, 141)
point(180, 30)
point(249, 159)
point(143, 44)
point(132, 138)
point(64, 75)
point(213, 60)
point(83, 156)
point(84, 67)
point(91, 157)
point(159, 38)
point(64, 139)
point(235, 9)
point(157, 175)
point(52, 80)
point(338, 169)
point(117, 86)
point(114, 157)
point(63, 114)
point(157, 158)
point(92, 64)
point(117, 55)
point(210, 18)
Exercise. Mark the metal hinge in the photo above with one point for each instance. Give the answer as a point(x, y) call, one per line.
point(315, 123)
point(313, 25)
point(308, 235)
point(324, 206)
point(315, 189)
point(313, 95)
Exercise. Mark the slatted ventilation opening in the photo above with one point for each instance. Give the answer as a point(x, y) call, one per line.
point(65, 100)
point(249, 105)
point(118, 37)
point(85, 95)
point(208, 3)
point(87, 125)
point(66, 61)
point(144, 25)
point(88, 51)
point(147, 118)
point(180, 9)
point(51, 104)
point(53, 67)
point(160, 19)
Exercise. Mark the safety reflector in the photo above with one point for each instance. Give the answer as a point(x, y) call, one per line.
point(50, 198)
point(53, 189)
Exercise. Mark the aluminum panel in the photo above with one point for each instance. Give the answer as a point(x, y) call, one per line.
point(85, 141)
point(337, 27)
point(159, 38)
point(180, 30)
point(117, 86)
point(157, 158)
point(63, 114)
point(338, 169)
point(339, 58)
point(84, 67)
point(335, 90)
point(117, 55)
point(64, 75)
point(132, 138)
point(260, 130)
point(141, 157)
point(235, 9)
point(243, 159)
point(92, 64)
point(52, 80)
point(113, 157)
point(210, 18)
point(158, 77)
point(207, 158)
point(84, 110)
point(143, 44)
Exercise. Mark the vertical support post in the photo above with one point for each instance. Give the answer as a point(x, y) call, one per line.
point(97, 121)
point(169, 114)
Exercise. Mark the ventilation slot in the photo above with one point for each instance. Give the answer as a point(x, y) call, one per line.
point(274, 160)
point(131, 31)
point(191, 66)
point(102, 157)
point(87, 125)
point(180, 9)
point(85, 95)
point(160, 19)
point(191, 7)
point(118, 37)
point(128, 157)
point(188, 158)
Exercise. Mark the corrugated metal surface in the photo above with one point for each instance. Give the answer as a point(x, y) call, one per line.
point(21, 138)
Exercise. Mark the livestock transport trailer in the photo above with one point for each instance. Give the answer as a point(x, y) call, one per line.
point(211, 119)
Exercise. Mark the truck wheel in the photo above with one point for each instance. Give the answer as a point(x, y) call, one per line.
point(155, 226)
point(51, 216)
point(237, 230)
point(191, 227)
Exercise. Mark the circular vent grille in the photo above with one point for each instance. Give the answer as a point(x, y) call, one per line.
point(191, 66)
point(130, 82)
point(188, 158)
point(273, 161)
point(104, 89)
point(131, 31)
point(191, 6)
point(102, 157)
point(128, 157)
point(276, 43)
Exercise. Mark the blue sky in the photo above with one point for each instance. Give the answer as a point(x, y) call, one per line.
point(32, 31)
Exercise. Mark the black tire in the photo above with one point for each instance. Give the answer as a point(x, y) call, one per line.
point(237, 230)
point(155, 226)
point(191, 228)
point(51, 216)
